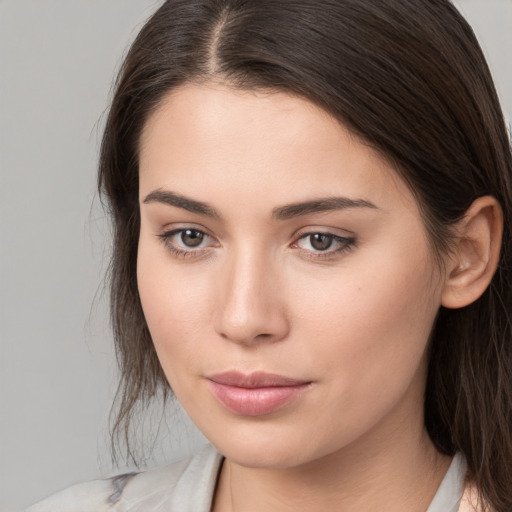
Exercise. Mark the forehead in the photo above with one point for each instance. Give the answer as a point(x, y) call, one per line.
point(213, 139)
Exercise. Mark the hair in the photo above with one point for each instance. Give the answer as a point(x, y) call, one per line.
point(410, 79)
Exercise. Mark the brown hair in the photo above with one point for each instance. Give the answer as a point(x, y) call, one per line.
point(408, 76)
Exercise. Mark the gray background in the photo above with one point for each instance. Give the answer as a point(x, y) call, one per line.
point(57, 371)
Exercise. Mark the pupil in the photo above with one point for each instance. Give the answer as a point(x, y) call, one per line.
point(191, 237)
point(321, 242)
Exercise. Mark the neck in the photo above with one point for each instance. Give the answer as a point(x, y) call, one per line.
point(391, 469)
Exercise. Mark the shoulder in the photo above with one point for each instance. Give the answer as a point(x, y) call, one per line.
point(187, 485)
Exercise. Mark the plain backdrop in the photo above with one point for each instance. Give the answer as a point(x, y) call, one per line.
point(57, 369)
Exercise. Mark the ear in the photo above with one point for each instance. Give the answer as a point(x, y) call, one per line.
point(475, 257)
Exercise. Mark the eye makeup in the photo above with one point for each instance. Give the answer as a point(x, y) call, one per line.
point(190, 242)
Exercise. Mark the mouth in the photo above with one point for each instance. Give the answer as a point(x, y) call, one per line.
point(257, 393)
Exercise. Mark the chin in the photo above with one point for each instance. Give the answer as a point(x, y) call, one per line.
point(255, 456)
point(263, 447)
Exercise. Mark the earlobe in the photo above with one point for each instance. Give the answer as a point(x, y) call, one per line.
point(475, 257)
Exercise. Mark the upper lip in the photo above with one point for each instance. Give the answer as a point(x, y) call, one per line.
point(255, 380)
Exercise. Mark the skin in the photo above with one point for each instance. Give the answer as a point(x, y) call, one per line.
point(256, 295)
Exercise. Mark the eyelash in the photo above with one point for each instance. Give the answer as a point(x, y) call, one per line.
point(175, 250)
point(346, 244)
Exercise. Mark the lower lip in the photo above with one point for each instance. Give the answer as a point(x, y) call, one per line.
point(255, 401)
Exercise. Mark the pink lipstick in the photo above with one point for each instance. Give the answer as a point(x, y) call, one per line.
point(255, 394)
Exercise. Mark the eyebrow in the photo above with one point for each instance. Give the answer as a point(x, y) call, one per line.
point(173, 199)
point(285, 212)
point(318, 206)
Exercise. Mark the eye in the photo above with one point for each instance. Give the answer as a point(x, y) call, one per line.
point(320, 241)
point(186, 241)
point(191, 237)
point(319, 244)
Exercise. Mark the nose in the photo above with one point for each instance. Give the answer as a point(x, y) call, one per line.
point(251, 309)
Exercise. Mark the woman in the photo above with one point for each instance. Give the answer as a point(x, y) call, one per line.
point(312, 246)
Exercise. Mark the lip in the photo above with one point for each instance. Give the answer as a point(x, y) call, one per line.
point(255, 394)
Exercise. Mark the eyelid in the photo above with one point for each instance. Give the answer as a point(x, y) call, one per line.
point(346, 242)
point(182, 251)
point(326, 230)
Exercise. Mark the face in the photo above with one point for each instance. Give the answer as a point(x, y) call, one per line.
point(285, 276)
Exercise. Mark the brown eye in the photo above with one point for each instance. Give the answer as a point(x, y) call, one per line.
point(191, 237)
point(316, 244)
point(320, 241)
point(188, 242)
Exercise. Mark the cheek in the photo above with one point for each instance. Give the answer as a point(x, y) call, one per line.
point(175, 306)
point(371, 324)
